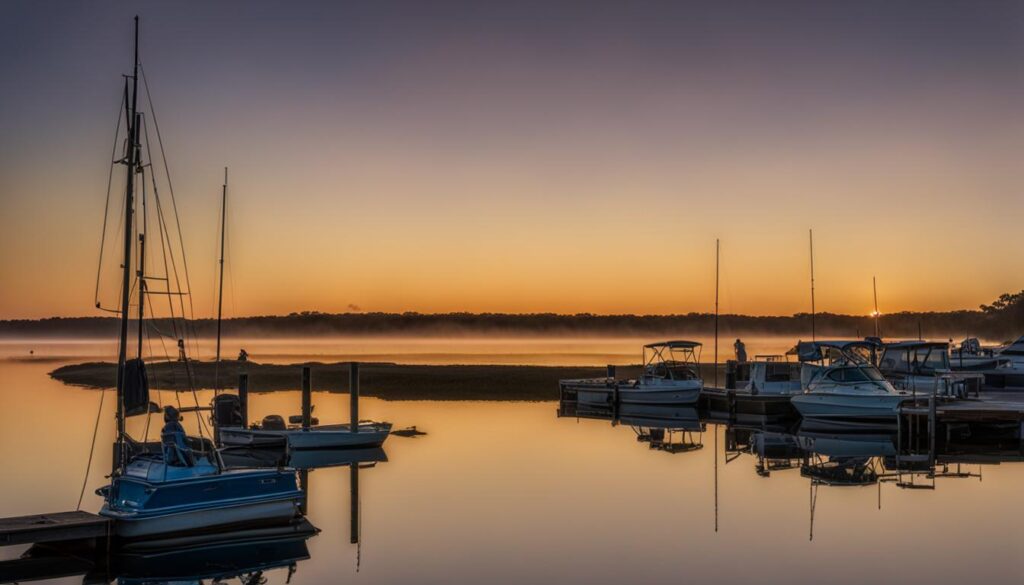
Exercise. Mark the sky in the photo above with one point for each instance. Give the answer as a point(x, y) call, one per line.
point(529, 156)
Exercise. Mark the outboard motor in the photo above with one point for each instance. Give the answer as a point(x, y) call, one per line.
point(227, 411)
point(273, 422)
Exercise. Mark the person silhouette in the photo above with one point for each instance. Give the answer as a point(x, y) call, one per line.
point(173, 441)
point(741, 351)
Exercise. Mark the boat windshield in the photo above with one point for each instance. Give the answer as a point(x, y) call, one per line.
point(856, 374)
point(915, 359)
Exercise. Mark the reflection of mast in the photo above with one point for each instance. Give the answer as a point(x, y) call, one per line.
point(814, 501)
point(716, 478)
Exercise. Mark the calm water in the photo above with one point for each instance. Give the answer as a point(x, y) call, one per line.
point(509, 493)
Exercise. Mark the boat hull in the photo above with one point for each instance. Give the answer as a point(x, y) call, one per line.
point(600, 394)
point(321, 437)
point(267, 513)
point(844, 411)
point(744, 403)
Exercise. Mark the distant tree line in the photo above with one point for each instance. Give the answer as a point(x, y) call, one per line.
point(1001, 320)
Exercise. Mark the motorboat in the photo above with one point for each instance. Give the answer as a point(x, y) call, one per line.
point(1002, 367)
point(762, 387)
point(922, 368)
point(274, 432)
point(842, 388)
point(670, 376)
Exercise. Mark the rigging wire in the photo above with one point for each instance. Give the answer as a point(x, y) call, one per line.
point(106, 205)
point(92, 449)
point(174, 204)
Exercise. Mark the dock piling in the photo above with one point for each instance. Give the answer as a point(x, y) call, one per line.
point(353, 396)
point(243, 398)
point(307, 398)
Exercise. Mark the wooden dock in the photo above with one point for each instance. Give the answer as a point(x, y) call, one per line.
point(52, 527)
point(990, 407)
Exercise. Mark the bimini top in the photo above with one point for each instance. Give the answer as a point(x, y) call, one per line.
point(916, 344)
point(809, 351)
point(674, 344)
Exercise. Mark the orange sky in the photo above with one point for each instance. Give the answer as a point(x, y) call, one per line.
point(518, 165)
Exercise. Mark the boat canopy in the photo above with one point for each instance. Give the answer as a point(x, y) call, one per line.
point(916, 344)
point(681, 344)
point(812, 351)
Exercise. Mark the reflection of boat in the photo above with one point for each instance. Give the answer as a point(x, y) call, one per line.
point(273, 432)
point(1002, 367)
point(668, 417)
point(180, 486)
point(244, 554)
point(303, 459)
point(671, 375)
point(843, 389)
point(847, 445)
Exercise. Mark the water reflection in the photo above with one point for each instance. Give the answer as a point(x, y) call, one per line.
point(248, 555)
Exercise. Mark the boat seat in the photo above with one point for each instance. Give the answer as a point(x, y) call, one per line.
point(273, 422)
point(176, 452)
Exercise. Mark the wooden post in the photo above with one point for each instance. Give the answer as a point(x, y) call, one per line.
point(307, 398)
point(610, 371)
point(353, 396)
point(354, 504)
point(243, 398)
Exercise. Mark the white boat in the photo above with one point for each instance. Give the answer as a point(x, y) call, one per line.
point(1002, 367)
point(842, 388)
point(670, 376)
point(922, 367)
point(273, 433)
point(339, 436)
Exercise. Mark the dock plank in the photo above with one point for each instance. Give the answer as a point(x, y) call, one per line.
point(51, 527)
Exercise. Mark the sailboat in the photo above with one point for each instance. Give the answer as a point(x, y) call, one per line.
point(174, 487)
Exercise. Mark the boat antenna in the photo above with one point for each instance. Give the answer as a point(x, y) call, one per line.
point(131, 162)
point(717, 255)
point(813, 332)
point(874, 285)
point(220, 293)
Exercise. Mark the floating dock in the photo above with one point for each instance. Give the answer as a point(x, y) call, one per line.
point(58, 526)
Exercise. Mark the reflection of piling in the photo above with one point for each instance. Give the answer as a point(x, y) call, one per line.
point(243, 398)
point(307, 398)
point(353, 397)
point(354, 504)
point(304, 486)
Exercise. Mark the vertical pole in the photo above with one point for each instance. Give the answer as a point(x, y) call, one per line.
point(813, 330)
point(874, 286)
point(131, 164)
point(307, 398)
point(610, 371)
point(223, 222)
point(243, 398)
point(717, 255)
point(919, 336)
point(354, 503)
point(353, 396)
point(142, 281)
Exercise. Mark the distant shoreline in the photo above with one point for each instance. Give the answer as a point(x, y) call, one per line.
point(995, 322)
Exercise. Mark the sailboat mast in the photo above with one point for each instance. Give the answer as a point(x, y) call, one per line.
point(131, 164)
point(717, 254)
point(874, 285)
point(813, 331)
point(223, 221)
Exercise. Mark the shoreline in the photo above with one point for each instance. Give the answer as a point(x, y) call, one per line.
point(388, 381)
